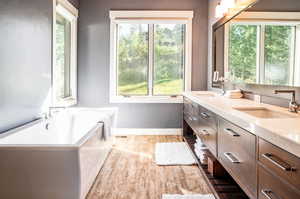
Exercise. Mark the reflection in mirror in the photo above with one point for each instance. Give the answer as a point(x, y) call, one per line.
point(241, 59)
point(258, 47)
point(262, 48)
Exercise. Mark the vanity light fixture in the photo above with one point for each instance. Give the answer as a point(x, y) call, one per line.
point(243, 1)
point(229, 7)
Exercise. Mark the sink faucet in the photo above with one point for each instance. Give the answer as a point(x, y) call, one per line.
point(293, 106)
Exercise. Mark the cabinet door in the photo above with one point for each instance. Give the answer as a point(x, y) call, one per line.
point(236, 152)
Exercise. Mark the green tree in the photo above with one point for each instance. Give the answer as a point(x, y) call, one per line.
point(278, 45)
point(242, 52)
point(133, 55)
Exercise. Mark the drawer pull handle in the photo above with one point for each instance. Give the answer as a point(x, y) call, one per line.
point(204, 132)
point(192, 118)
point(231, 132)
point(204, 115)
point(267, 194)
point(278, 162)
point(231, 158)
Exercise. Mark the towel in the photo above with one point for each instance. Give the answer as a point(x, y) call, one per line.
point(233, 94)
point(200, 146)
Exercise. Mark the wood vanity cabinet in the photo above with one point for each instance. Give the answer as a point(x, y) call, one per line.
point(262, 170)
point(236, 150)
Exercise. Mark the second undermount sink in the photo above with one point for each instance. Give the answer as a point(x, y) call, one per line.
point(262, 112)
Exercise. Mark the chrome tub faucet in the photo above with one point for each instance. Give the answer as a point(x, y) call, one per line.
point(47, 116)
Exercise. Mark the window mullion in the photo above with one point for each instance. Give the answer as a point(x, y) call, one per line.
point(293, 60)
point(151, 60)
point(262, 54)
point(297, 59)
point(258, 54)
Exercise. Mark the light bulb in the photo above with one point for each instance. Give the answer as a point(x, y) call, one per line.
point(229, 4)
point(243, 1)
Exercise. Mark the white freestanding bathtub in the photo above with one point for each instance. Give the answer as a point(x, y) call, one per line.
point(59, 163)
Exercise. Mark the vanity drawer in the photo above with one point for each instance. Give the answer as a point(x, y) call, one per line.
point(271, 187)
point(187, 106)
point(282, 163)
point(208, 117)
point(190, 107)
point(190, 111)
point(236, 152)
point(207, 129)
point(190, 120)
point(208, 136)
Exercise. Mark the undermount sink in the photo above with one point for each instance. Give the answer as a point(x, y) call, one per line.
point(265, 113)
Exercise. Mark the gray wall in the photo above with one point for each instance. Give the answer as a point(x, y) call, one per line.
point(93, 73)
point(211, 20)
point(25, 59)
point(263, 5)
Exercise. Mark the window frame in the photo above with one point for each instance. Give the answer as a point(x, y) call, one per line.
point(263, 19)
point(69, 12)
point(149, 17)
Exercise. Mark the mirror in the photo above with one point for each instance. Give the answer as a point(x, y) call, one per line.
point(261, 45)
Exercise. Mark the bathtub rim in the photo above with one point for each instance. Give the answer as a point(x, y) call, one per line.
point(20, 128)
point(53, 147)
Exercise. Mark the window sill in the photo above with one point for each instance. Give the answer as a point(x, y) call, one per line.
point(153, 99)
point(67, 102)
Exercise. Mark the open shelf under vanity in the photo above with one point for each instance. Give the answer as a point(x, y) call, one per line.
point(222, 187)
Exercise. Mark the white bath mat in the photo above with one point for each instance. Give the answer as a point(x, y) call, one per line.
point(193, 196)
point(173, 153)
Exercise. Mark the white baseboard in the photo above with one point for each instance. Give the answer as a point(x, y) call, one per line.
point(146, 131)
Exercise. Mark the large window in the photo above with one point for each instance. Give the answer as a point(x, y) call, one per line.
point(262, 51)
point(64, 53)
point(150, 57)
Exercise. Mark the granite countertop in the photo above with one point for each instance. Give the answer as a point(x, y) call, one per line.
point(283, 132)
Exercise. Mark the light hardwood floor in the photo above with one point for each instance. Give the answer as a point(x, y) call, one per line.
point(131, 173)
